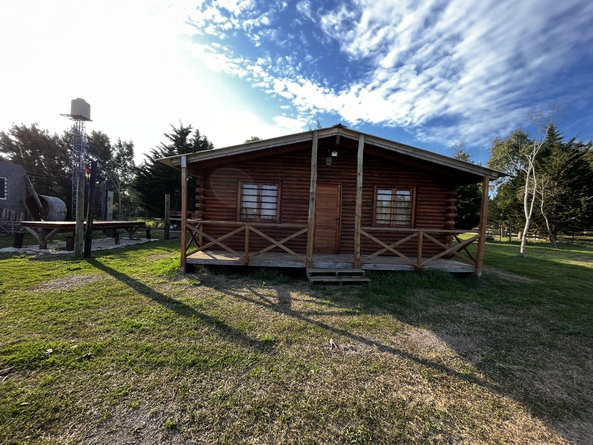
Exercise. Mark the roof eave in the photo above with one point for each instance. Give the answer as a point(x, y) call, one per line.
point(467, 167)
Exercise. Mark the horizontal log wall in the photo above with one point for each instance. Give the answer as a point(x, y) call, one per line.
point(218, 190)
point(435, 202)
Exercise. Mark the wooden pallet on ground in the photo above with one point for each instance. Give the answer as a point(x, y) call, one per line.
point(337, 276)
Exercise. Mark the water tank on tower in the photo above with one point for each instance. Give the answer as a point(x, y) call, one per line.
point(80, 110)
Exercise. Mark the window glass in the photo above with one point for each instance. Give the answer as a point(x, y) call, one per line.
point(3, 188)
point(384, 198)
point(402, 214)
point(393, 207)
point(259, 202)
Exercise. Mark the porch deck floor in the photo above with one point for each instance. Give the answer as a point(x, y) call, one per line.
point(324, 261)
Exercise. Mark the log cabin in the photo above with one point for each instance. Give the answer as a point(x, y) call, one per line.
point(333, 201)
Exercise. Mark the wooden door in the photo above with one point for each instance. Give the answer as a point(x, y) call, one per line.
point(327, 218)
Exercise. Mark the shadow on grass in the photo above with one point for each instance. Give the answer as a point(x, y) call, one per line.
point(182, 309)
point(530, 339)
point(284, 307)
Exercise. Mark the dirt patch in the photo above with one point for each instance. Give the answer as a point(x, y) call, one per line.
point(67, 283)
point(509, 276)
point(160, 256)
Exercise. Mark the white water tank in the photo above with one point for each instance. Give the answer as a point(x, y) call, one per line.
point(80, 110)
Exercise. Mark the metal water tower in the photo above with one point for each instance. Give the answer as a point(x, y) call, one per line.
point(80, 112)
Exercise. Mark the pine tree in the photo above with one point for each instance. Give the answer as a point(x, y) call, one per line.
point(154, 179)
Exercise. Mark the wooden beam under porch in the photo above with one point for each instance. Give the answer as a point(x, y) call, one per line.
point(324, 261)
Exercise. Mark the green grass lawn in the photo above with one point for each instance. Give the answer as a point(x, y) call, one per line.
point(121, 348)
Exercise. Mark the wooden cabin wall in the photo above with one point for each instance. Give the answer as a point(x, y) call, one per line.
point(219, 189)
point(434, 206)
point(290, 170)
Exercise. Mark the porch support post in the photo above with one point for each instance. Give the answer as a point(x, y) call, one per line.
point(312, 193)
point(358, 207)
point(183, 213)
point(483, 226)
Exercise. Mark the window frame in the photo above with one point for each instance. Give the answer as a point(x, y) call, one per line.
point(3, 188)
point(393, 222)
point(259, 217)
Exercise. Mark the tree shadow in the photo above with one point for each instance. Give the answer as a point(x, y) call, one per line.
point(282, 305)
point(515, 350)
point(223, 329)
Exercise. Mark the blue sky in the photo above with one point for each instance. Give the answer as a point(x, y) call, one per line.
point(428, 74)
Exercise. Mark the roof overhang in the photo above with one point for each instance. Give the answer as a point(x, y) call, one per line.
point(392, 146)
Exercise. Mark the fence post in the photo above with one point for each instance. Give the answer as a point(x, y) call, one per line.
point(167, 216)
point(183, 261)
point(483, 226)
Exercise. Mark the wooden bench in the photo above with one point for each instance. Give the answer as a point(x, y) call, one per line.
point(44, 231)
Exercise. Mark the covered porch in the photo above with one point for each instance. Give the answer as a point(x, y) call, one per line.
point(325, 261)
point(454, 257)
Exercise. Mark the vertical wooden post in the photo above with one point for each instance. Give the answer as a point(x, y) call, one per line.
point(358, 206)
point(419, 253)
point(483, 226)
point(183, 212)
point(312, 194)
point(43, 239)
point(167, 216)
point(79, 228)
point(246, 244)
point(88, 234)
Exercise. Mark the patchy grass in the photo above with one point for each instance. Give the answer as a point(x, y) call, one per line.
point(120, 348)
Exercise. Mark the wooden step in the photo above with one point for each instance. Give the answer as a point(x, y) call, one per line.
point(337, 276)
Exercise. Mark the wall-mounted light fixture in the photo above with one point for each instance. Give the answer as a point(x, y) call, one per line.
point(331, 153)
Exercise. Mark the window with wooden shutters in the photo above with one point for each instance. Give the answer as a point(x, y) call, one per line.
point(3, 188)
point(394, 207)
point(258, 202)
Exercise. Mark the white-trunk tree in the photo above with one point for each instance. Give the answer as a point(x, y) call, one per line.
point(519, 154)
point(542, 123)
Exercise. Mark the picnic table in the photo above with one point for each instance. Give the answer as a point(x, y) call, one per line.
point(44, 231)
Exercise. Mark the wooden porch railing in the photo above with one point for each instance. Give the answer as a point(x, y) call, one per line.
point(458, 249)
point(204, 241)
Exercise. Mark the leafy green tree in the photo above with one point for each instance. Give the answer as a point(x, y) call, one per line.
point(122, 173)
point(154, 179)
point(48, 160)
point(565, 187)
point(469, 197)
point(116, 169)
point(521, 154)
point(99, 147)
point(548, 174)
point(45, 157)
point(505, 208)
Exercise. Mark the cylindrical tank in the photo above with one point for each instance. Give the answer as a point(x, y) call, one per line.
point(52, 208)
point(80, 109)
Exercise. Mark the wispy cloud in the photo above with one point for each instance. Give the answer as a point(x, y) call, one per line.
point(476, 66)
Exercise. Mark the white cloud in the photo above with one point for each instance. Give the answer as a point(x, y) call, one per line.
point(477, 63)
